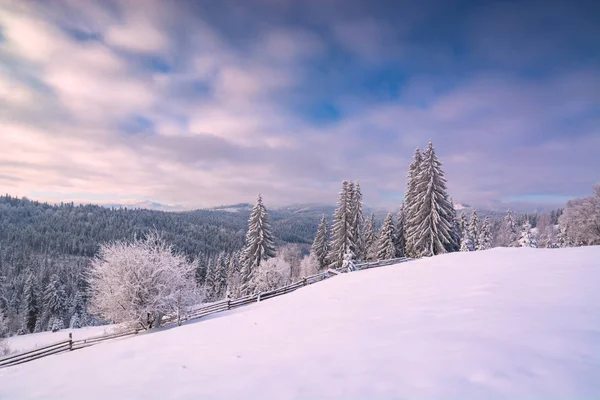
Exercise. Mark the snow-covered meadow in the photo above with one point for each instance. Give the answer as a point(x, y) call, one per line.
point(21, 343)
point(502, 323)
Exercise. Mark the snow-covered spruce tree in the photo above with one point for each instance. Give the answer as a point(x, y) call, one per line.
point(463, 224)
point(260, 246)
point(233, 276)
point(527, 239)
point(221, 276)
point(3, 325)
point(456, 230)
point(432, 223)
point(319, 247)
point(370, 239)
point(357, 222)
point(210, 282)
point(30, 304)
point(399, 233)
point(474, 229)
point(466, 244)
point(78, 317)
point(485, 235)
point(510, 230)
point(341, 231)
point(54, 302)
point(561, 237)
point(386, 247)
point(140, 281)
point(411, 204)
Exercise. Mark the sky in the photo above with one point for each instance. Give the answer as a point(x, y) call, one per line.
point(204, 103)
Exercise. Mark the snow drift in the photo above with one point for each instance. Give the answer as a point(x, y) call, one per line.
point(502, 323)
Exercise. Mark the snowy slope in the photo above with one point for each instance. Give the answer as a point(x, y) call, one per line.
point(33, 341)
point(503, 323)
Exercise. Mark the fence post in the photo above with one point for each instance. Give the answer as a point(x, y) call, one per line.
point(229, 304)
point(70, 341)
point(304, 281)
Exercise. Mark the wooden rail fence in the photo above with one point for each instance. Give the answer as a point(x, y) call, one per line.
point(217, 307)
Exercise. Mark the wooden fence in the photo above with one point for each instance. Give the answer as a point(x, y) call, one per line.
point(217, 307)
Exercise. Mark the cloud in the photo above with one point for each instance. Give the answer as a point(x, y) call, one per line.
point(205, 105)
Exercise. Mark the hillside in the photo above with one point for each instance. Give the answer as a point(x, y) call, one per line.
point(502, 323)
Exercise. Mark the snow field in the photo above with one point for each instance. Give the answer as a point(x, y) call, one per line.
point(502, 323)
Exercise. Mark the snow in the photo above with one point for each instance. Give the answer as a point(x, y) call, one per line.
point(503, 323)
point(33, 341)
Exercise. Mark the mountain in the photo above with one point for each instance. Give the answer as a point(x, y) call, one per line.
point(147, 205)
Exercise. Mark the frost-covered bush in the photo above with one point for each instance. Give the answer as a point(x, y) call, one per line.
point(580, 221)
point(272, 274)
point(4, 349)
point(141, 281)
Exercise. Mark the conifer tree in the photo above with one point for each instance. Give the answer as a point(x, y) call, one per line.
point(341, 231)
point(233, 276)
point(54, 301)
point(527, 239)
point(399, 233)
point(30, 305)
point(77, 312)
point(466, 244)
point(411, 204)
point(386, 248)
point(485, 236)
point(510, 230)
point(456, 229)
point(432, 222)
point(474, 229)
point(464, 224)
point(260, 245)
point(210, 283)
point(3, 328)
point(370, 239)
point(221, 275)
point(319, 247)
point(357, 234)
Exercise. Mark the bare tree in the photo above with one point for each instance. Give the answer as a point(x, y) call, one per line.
point(141, 281)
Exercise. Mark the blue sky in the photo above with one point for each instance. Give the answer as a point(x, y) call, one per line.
point(203, 103)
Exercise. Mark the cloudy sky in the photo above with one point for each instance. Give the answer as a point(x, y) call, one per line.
point(202, 103)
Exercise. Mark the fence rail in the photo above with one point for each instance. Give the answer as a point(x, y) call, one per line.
point(220, 306)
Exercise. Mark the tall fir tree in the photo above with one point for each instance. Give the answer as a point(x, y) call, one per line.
point(456, 229)
point(411, 204)
point(386, 247)
point(54, 302)
point(341, 231)
point(527, 239)
point(210, 282)
point(260, 245)
point(370, 239)
point(485, 235)
point(474, 229)
point(233, 275)
point(399, 233)
point(319, 247)
point(30, 304)
point(221, 275)
point(358, 239)
point(466, 244)
point(464, 224)
point(510, 230)
point(78, 317)
point(432, 222)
